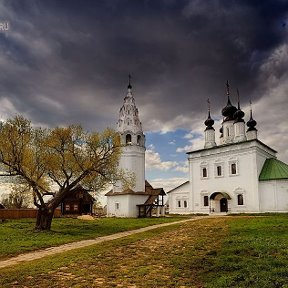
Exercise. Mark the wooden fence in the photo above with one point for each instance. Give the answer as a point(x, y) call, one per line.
point(23, 213)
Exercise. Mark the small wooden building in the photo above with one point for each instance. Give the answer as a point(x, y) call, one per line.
point(154, 203)
point(78, 202)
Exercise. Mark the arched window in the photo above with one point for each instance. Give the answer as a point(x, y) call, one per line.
point(204, 172)
point(206, 201)
point(128, 138)
point(240, 199)
point(219, 171)
point(185, 204)
point(233, 168)
point(138, 139)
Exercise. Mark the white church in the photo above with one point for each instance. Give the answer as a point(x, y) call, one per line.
point(142, 200)
point(240, 175)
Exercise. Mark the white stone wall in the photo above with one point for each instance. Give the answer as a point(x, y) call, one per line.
point(273, 196)
point(181, 193)
point(133, 160)
point(124, 205)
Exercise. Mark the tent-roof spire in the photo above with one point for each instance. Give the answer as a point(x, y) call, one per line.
point(129, 81)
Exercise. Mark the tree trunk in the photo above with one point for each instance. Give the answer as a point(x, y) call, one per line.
point(44, 219)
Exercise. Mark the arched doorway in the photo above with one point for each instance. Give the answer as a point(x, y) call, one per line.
point(219, 202)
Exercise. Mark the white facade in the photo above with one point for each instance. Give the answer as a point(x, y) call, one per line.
point(231, 169)
point(179, 200)
point(124, 205)
point(226, 178)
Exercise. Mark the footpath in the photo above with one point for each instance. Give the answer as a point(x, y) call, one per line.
point(30, 256)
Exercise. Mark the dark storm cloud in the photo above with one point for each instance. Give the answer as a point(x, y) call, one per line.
point(68, 61)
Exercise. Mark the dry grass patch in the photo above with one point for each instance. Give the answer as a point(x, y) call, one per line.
point(165, 257)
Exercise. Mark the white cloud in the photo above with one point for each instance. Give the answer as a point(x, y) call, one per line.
point(7, 109)
point(184, 149)
point(271, 110)
point(168, 184)
point(168, 126)
point(182, 167)
point(189, 135)
point(153, 160)
point(195, 141)
point(55, 104)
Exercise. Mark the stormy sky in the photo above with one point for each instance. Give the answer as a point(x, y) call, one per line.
point(68, 61)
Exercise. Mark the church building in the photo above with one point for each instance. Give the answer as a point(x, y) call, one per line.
point(240, 175)
point(142, 200)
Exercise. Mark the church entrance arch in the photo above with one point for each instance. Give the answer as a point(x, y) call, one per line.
point(219, 202)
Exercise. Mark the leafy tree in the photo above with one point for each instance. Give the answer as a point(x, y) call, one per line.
point(67, 157)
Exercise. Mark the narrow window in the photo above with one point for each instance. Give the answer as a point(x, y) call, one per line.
point(206, 201)
point(219, 170)
point(204, 172)
point(138, 139)
point(240, 199)
point(179, 203)
point(75, 207)
point(228, 132)
point(117, 206)
point(67, 207)
point(185, 204)
point(128, 138)
point(233, 168)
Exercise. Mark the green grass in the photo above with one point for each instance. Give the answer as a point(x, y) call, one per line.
point(221, 252)
point(254, 254)
point(18, 236)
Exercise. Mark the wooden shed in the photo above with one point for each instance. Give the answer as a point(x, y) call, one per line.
point(78, 202)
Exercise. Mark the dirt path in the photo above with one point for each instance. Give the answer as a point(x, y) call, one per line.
point(84, 243)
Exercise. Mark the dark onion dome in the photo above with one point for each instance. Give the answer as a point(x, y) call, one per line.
point(209, 122)
point(251, 123)
point(238, 115)
point(229, 110)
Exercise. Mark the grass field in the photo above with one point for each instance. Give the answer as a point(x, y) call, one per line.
point(18, 236)
point(219, 252)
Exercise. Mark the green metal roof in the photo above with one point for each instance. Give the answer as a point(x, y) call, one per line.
point(273, 169)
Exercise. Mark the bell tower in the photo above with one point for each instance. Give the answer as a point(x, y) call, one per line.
point(133, 142)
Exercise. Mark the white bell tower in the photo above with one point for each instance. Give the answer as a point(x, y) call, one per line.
point(133, 141)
